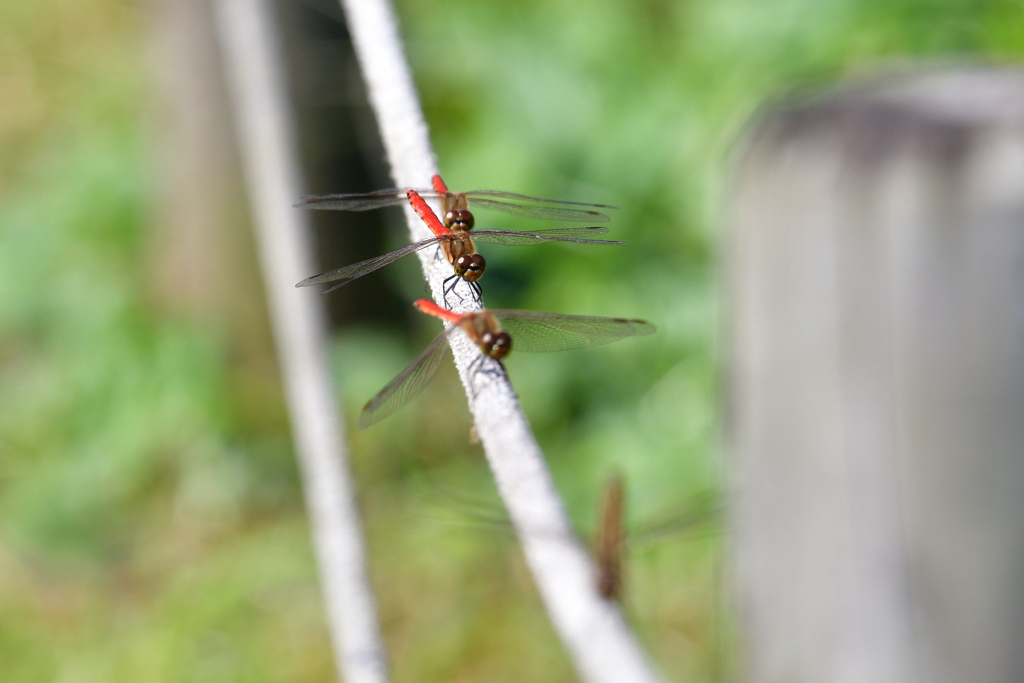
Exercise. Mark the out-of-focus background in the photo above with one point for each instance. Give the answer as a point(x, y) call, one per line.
point(151, 520)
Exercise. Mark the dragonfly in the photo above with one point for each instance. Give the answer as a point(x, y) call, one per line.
point(495, 332)
point(458, 247)
point(609, 540)
point(613, 540)
point(455, 205)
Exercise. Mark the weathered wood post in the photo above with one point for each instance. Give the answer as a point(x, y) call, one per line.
point(876, 382)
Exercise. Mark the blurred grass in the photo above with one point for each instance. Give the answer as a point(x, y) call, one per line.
point(151, 525)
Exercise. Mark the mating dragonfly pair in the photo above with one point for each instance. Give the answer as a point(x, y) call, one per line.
point(491, 330)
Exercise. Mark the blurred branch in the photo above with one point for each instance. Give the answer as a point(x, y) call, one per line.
point(600, 643)
point(264, 125)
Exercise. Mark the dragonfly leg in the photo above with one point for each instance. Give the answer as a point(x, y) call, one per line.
point(445, 288)
point(438, 253)
point(500, 371)
point(471, 373)
point(477, 292)
point(452, 289)
point(477, 367)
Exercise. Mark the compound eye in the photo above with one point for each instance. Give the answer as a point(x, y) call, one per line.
point(486, 343)
point(463, 265)
point(474, 268)
point(459, 219)
point(465, 219)
point(502, 345)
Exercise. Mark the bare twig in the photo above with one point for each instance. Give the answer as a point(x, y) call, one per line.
point(266, 138)
point(601, 645)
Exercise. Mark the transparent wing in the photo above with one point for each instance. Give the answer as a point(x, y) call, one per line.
point(407, 384)
point(517, 238)
point(555, 213)
point(702, 510)
point(347, 274)
point(527, 198)
point(483, 514)
point(359, 202)
point(534, 331)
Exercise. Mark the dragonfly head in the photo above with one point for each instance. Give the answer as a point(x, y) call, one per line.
point(497, 345)
point(458, 219)
point(470, 267)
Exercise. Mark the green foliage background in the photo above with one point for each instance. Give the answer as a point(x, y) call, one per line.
point(151, 523)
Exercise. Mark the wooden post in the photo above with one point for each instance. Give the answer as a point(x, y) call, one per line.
point(876, 382)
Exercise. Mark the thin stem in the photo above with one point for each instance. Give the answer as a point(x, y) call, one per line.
point(602, 647)
point(264, 125)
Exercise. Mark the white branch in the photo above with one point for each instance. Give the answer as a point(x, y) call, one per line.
point(252, 62)
point(602, 646)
